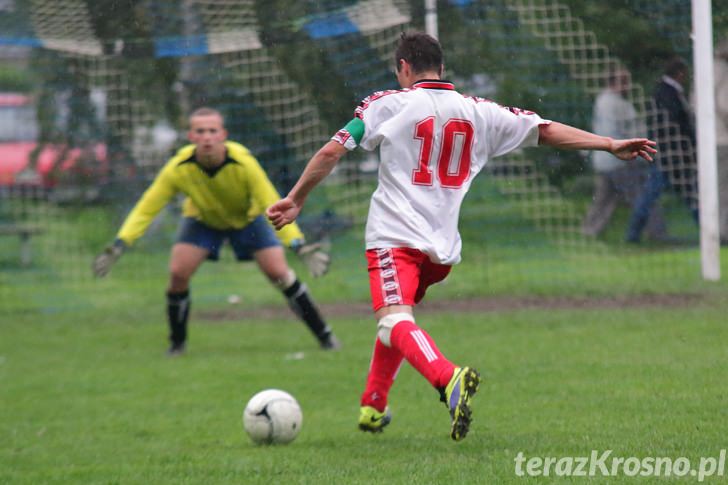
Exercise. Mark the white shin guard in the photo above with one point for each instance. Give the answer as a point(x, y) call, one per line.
point(388, 322)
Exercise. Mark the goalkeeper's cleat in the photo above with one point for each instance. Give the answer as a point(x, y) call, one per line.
point(372, 420)
point(331, 342)
point(458, 396)
point(176, 349)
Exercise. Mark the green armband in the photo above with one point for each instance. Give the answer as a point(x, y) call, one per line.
point(356, 129)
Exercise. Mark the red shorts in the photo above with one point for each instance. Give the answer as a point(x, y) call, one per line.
point(401, 276)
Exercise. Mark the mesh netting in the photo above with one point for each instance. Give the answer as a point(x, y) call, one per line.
point(107, 85)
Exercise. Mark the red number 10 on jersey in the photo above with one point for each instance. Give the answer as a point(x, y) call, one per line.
point(451, 177)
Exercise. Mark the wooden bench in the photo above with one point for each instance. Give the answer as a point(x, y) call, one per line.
point(24, 231)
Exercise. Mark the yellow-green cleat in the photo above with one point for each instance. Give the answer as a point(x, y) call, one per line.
point(372, 420)
point(459, 393)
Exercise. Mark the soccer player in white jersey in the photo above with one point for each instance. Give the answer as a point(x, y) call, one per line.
point(433, 141)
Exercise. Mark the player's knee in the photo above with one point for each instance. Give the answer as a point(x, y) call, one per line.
point(178, 280)
point(271, 260)
point(386, 324)
point(285, 280)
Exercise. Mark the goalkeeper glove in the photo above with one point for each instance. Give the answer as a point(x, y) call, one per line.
point(315, 256)
point(104, 261)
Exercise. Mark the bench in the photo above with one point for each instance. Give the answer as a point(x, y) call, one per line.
point(24, 231)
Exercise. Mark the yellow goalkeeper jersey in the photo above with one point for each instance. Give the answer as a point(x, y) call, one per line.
point(230, 196)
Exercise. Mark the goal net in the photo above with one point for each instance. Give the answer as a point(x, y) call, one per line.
point(102, 89)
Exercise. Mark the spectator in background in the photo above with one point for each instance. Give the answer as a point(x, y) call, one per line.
point(617, 180)
point(721, 133)
point(674, 130)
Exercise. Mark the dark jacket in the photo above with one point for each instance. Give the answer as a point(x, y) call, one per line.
point(670, 100)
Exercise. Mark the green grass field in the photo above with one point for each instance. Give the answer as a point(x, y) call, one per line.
point(89, 397)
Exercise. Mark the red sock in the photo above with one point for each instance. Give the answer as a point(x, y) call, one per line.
point(421, 352)
point(382, 371)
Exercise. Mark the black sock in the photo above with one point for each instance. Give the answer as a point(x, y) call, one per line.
point(304, 307)
point(178, 309)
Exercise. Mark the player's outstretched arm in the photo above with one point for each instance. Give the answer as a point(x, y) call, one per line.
point(287, 209)
point(559, 135)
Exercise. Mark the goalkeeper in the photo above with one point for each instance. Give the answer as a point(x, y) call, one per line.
point(227, 192)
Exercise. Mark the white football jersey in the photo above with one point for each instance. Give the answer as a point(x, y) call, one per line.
point(433, 141)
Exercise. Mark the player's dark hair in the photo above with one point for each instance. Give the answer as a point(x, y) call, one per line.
point(420, 50)
point(675, 66)
point(205, 111)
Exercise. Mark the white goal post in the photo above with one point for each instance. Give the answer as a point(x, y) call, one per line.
point(705, 132)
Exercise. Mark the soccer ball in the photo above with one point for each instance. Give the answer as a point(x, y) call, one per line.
point(272, 417)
